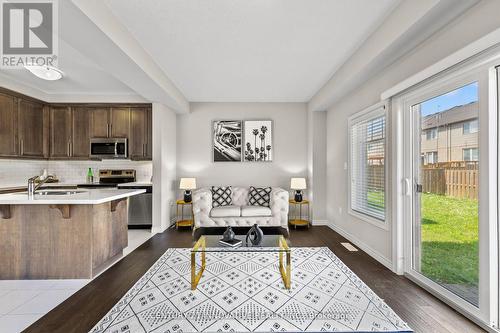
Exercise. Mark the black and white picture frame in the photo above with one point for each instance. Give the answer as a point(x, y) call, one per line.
point(258, 146)
point(227, 140)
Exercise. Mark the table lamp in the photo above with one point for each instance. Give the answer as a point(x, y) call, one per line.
point(187, 184)
point(298, 184)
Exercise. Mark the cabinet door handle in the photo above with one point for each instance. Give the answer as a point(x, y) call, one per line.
point(22, 147)
point(69, 149)
point(110, 129)
point(143, 149)
point(107, 130)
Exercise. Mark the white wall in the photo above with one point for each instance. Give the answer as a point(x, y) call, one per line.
point(194, 137)
point(164, 166)
point(319, 167)
point(475, 23)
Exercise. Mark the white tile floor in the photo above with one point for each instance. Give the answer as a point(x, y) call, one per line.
point(22, 302)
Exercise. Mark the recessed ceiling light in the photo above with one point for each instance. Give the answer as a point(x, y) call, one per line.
point(45, 72)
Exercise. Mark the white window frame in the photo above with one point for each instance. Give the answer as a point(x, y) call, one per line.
point(470, 154)
point(434, 134)
point(474, 129)
point(429, 154)
point(374, 111)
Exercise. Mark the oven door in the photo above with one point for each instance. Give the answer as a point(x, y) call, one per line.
point(108, 148)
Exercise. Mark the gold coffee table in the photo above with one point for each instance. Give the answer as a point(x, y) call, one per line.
point(270, 243)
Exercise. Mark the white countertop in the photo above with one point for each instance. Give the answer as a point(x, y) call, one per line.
point(84, 197)
point(136, 184)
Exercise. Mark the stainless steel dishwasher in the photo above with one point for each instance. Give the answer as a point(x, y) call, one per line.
point(140, 210)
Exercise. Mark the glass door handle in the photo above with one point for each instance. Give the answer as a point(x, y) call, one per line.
point(418, 188)
point(407, 187)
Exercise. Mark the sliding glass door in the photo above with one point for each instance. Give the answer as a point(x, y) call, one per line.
point(446, 165)
point(451, 202)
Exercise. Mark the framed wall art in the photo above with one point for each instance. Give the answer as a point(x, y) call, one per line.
point(227, 140)
point(258, 145)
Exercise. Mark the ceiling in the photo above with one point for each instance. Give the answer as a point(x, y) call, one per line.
point(217, 50)
point(81, 76)
point(259, 50)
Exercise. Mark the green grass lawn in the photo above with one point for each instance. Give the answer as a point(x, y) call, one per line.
point(450, 239)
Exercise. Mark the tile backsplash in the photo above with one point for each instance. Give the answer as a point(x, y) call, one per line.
point(16, 172)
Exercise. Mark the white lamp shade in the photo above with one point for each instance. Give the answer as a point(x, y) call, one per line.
point(187, 184)
point(298, 184)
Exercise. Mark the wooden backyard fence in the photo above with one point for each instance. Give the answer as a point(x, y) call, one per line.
point(455, 179)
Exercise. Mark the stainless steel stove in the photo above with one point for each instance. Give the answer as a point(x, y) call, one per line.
point(140, 206)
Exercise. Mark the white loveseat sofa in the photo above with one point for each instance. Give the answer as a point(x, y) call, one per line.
point(240, 213)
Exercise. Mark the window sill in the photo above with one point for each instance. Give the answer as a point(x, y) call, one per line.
point(373, 221)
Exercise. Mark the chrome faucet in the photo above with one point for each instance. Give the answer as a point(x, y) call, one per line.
point(33, 186)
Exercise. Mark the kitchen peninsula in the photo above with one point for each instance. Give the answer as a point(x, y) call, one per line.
point(62, 233)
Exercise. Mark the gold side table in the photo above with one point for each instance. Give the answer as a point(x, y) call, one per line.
point(299, 220)
point(180, 221)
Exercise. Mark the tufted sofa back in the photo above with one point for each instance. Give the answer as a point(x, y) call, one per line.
point(240, 195)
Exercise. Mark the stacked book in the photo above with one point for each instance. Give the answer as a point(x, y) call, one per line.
point(231, 243)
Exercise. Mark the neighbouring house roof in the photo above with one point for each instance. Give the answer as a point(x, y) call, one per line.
point(454, 115)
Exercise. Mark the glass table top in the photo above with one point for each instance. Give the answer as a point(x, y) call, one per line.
point(270, 243)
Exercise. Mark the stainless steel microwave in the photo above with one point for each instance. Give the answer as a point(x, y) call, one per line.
point(108, 148)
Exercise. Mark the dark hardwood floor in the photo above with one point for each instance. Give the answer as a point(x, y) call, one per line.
point(422, 311)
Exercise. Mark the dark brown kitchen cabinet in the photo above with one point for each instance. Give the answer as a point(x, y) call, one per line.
point(111, 122)
point(60, 132)
point(138, 140)
point(33, 129)
point(119, 122)
point(80, 139)
point(99, 123)
point(8, 126)
point(69, 133)
point(30, 128)
point(149, 135)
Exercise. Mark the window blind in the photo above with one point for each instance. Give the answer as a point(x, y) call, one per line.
point(367, 164)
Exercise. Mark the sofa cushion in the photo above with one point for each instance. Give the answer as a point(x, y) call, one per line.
point(226, 211)
point(251, 211)
point(221, 196)
point(259, 196)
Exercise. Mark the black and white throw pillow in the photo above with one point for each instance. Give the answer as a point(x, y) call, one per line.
point(221, 196)
point(259, 196)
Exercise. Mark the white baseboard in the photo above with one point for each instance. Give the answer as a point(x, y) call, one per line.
point(156, 230)
point(320, 222)
point(366, 248)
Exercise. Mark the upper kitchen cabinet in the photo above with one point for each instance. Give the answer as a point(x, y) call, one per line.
point(33, 127)
point(111, 122)
point(140, 133)
point(149, 137)
point(60, 132)
point(80, 139)
point(30, 128)
point(69, 133)
point(120, 122)
point(99, 123)
point(8, 126)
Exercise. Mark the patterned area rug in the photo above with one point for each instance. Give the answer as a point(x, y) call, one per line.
point(244, 292)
